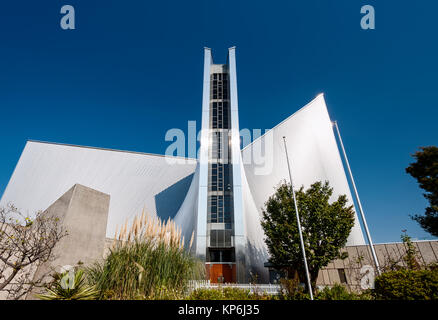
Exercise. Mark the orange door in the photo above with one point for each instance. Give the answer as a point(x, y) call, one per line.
point(220, 272)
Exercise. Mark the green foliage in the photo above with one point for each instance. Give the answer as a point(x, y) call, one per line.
point(410, 256)
point(407, 285)
point(425, 170)
point(338, 292)
point(145, 270)
point(291, 290)
point(70, 287)
point(326, 227)
point(226, 293)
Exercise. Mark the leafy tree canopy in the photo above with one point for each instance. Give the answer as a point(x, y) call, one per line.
point(425, 170)
point(325, 226)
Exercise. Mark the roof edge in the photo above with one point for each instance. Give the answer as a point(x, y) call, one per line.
point(108, 149)
point(319, 96)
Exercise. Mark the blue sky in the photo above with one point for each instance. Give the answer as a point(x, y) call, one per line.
point(133, 69)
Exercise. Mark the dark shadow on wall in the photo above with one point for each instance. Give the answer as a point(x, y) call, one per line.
point(255, 265)
point(168, 201)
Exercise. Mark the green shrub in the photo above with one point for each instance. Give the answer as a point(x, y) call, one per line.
point(226, 293)
point(407, 285)
point(219, 294)
point(291, 290)
point(340, 292)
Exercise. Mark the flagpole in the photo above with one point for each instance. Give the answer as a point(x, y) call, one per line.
point(298, 223)
point(370, 242)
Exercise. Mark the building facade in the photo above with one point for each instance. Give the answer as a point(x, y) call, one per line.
point(218, 198)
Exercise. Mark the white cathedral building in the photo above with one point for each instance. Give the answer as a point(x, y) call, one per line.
point(219, 196)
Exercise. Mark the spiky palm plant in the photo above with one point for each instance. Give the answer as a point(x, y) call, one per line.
point(70, 287)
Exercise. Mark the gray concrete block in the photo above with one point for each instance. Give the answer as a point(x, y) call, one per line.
point(83, 213)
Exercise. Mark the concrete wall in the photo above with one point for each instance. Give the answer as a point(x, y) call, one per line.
point(83, 213)
point(388, 254)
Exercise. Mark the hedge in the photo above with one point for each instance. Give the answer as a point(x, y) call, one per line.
point(407, 285)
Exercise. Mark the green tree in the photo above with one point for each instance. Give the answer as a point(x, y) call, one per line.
point(425, 170)
point(325, 226)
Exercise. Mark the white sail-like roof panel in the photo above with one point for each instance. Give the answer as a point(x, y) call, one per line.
point(134, 181)
point(313, 153)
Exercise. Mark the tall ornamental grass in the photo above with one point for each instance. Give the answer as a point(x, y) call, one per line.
point(147, 261)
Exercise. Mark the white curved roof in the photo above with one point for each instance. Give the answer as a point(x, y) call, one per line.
point(134, 181)
point(313, 153)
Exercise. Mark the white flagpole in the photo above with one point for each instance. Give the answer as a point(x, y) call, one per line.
point(299, 224)
point(358, 200)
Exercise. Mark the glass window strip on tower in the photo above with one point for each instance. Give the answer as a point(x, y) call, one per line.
point(220, 204)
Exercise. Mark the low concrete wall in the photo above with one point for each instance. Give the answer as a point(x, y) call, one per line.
point(348, 273)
